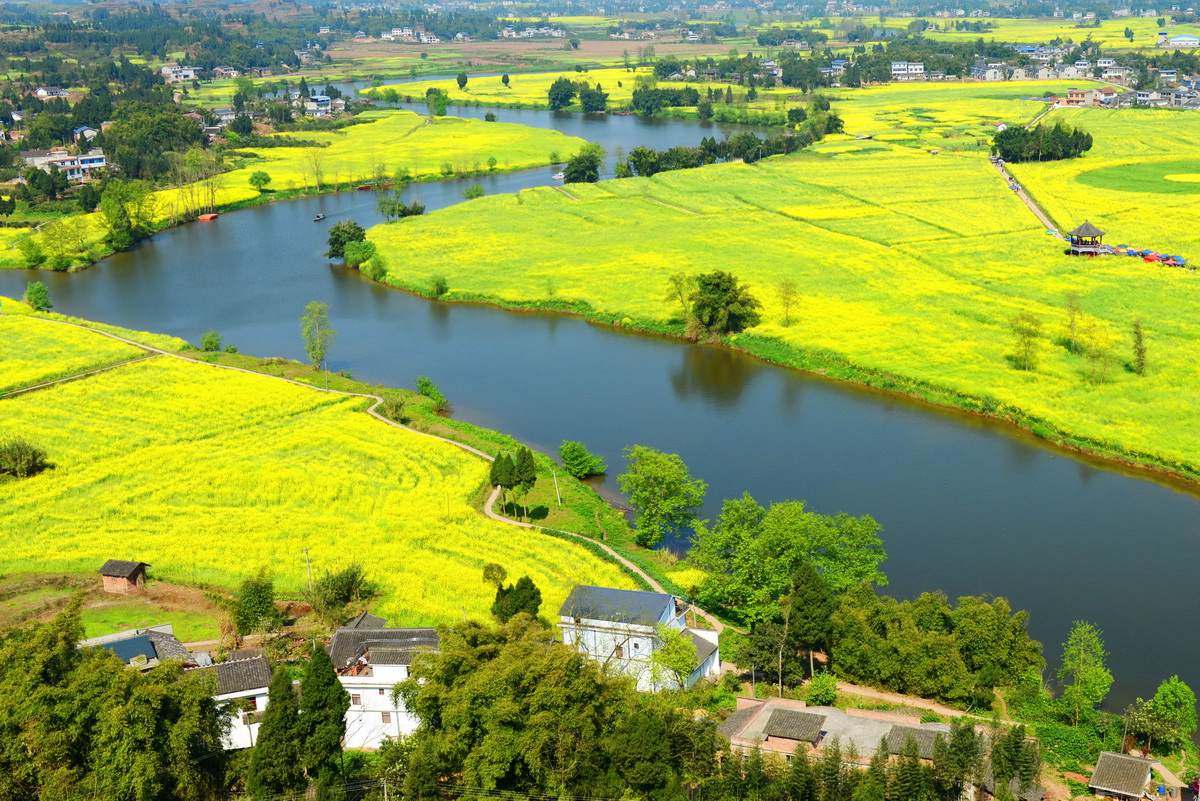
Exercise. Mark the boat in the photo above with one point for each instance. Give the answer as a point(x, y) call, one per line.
point(558, 176)
point(207, 217)
point(318, 218)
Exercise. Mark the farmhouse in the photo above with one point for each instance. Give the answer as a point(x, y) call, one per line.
point(142, 648)
point(371, 660)
point(242, 683)
point(620, 628)
point(121, 577)
point(1120, 776)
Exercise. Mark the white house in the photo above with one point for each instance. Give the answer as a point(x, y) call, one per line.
point(1103, 63)
point(77, 168)
point(242, 683)
point(619, 628)
point(371, 660)
point(1184, 40)
point(176, 74)
point(907, 70)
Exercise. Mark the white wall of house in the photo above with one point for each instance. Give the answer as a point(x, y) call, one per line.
point(243, 730)
point(373, 716)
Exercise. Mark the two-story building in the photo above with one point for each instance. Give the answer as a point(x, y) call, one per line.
point(371, 660)
point(620, 629)
point(177, 74)
point(908, 70)
point(77, 168)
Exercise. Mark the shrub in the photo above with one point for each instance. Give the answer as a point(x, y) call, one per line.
point(822, 690)
point(393, 408)
point(426, 387)
point(21, 458)
point(230, 349)
point(439, 286)
point(37, 297)
point(473, 191)
point(578, 461)
point(358, 253)
point(32, 252)
point(210, 342)
point(254, 606)
point(374, 268)
point(333, 592)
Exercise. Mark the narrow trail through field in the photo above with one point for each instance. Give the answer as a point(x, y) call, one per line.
point(1037, 210)
point(75, 376)
point(565, 192)
point(488, 508)
point(676, 208)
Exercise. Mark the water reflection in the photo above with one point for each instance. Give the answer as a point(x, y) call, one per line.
point(714, 374)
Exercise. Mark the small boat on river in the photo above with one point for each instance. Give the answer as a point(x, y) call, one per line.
point(318, 218)
point(558, 176)
point(207, 217)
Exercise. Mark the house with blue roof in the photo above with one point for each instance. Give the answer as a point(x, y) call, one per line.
point(621, 630)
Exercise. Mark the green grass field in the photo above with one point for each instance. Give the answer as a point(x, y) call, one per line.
point(907, 263)
point(210, 475)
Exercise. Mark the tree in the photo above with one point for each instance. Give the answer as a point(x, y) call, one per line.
point(524, 474)
point(494, 573)
point(822, 690)
point(674, 658)
point(473, 191)
point(1084, 677)
point(1074, 309)
point(592, 100)
point(254, 605)
point(560, 94)
point(503, 475)
point(584, 166)
point(682, 287)
point(704, 110)
point(661, 491)
point(1145, 722)
point(461, 78)
point(210, 342)
point(1175, 704)
point(722, 306)
point(317, 333)
point(322, 721)
point(333, 592)
point(1097, 347)
point(276, 766)
point(578, 461)
point(341, 233)
point(524, 596)
point(1026, 329)
point(37, 297)
point(356, 254)
point(260, 180)
point(242, 125)
point(1139, 347)
point(504, 79)
point(88, 197)
point(811, 607)
point(788, 293)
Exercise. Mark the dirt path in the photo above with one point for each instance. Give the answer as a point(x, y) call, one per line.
point(74, 376)
point(676, 208)
point(1042, 216)
point(488, 509)
point(565, 192)
point(906, 700)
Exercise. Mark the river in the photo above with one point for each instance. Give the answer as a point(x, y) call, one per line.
point(967, 505)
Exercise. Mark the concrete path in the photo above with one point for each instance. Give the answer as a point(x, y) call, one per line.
point(1042, 216)
point(75, 376)
point(488, 509)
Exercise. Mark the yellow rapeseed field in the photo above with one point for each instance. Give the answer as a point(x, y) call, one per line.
point(210, 475)
point(905, 262)
point(32, 351)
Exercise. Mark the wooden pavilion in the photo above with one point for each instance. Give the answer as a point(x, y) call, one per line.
point(1085, 240)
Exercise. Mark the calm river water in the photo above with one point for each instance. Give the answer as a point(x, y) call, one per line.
point(967, 506)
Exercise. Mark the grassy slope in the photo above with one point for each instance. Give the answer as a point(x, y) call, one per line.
point(209, 475)
point(907, 264)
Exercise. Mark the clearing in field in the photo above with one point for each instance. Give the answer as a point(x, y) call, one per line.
point(210, 475)
point(906, 262)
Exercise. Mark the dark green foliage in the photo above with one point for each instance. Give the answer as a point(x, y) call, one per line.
point(254, 606)
point(584, 166)
point(276, 766)
point(661, 491)
point(560, 93)
point(426, 387)
point(494, 573)
point(1139, 347)
point(812, 607)
point(322, 721)
point(88, 198)
point(524, 596)
point(77, 723)
point(241, 126)
point(722, 306)
point(210, 342)
point(592, 99)
point(332, 593)
point(578, 461)
point(37, 297)
point(928, 648)
point(1040, 143)
point(260, 180)
point(20, 458)
point(342, 233)
point(439, 286)
point(461, 79)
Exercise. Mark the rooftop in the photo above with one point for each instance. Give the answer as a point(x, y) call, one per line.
point(366, 621)
point(240, 675)
point(1121, 774)
point(382, 646)
point(115, 567)
point(792, 724)
point(924, 736)
point(639, 607)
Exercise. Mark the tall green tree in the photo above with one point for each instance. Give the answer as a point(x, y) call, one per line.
point(254, 605)
point(276, 764)
point(811, 609)
point(1175, 703)
point(524, 474)
point(37, 297)
point(318, 335)
point(524, 596)
point(1084, 675)
point(342, 233)
point(461, 79)
point(560, 94)
point(661, 491)
point(585, 166)
point(322, 720)
point(722, 305)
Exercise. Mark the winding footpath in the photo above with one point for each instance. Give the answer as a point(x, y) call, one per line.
point(489, 506)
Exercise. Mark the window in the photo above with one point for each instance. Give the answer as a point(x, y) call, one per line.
point(619, 652)
point(635, 646)
point(355, 700)
point(387, 717)
point(382, 691)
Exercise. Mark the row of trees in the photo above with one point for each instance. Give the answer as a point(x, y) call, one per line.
point(1081, 335)
point(1041, 143)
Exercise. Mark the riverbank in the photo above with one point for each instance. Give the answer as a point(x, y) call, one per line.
point(885, 298)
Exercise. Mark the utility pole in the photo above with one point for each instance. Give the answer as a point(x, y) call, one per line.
point(308, 566)
point(556, 492)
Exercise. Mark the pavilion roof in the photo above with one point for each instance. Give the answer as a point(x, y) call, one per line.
point(1087, 229)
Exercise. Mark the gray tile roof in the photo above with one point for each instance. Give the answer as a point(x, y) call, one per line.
point(366, 621)
point(736, 721)
point(925, 736)
point(167, 645)
point(1120, 774)
point(704, 648)
point(639, 607)
point(240, 675)
point(118, 568)
point(793, 724)
point(348, 644)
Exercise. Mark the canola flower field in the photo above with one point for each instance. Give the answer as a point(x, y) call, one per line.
point(32, 352)
point(907, 264)
point(210, 475)
point(527, 91)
